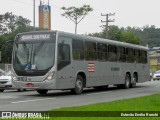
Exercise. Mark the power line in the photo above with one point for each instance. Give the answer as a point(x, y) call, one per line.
point(107, 21)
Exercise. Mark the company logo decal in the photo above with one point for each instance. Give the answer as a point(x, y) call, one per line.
point(91, 67)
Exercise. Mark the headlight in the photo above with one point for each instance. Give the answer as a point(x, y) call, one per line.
point(50, 76)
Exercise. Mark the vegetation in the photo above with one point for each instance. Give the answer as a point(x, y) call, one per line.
point(147, 35)
point(147, 103)
point(9, 22)
point(119, 34)
point(76, 14)
point(10, 26)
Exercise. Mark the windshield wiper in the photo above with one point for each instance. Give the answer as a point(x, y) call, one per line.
point(37, 50)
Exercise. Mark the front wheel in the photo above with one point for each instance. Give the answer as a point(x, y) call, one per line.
point(78, 85)
point(1, 90)
point(20, 90)
point(42, 92)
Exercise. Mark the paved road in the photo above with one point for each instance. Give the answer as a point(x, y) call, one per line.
point(10, 100)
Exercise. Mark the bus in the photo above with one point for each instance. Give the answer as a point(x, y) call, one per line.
point(56, 60)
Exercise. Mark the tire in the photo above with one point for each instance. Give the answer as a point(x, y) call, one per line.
point(78, 85)
point(134, 81)
point(127, 81)
point(42, 92)
point(20, 90)
point(1, 90)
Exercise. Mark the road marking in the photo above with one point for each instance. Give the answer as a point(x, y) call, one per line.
point(98, 93)
point(32, 100)
point(8, 97)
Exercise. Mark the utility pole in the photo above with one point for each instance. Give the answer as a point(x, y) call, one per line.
point(107, 21)
point(34, 14)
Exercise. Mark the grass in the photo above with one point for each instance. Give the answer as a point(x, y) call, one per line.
point(147, 103)
point(154, 68)
point(142, 104)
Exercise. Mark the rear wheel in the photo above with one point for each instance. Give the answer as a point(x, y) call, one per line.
point(127, 81)
point(134, 81)
point(42, 92)
point(1, 90)
point(78, 85)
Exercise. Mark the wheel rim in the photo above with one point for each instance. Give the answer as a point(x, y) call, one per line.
point(79, 85)
point(134, 80)
point(127, 81)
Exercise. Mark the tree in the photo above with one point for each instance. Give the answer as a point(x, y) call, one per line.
point(127, 35)
point(114, 33)
point(76, 14)
point(10, 22)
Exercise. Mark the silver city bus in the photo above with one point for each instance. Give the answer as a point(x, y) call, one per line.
point(55, 60)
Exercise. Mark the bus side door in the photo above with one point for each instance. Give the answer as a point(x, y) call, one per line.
point(64, 65)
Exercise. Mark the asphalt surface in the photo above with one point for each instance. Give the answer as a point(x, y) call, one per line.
point(11, 100)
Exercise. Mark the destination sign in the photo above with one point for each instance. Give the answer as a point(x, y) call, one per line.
point(30, 37)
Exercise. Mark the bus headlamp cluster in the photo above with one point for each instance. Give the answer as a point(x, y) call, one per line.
point(50, 76)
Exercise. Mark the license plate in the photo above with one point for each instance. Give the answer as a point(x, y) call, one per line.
point(30, 85)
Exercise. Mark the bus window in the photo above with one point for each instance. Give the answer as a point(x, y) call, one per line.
point(130, 55)
point(143, 56)
point(137, 56)
point(90, 50)
point(63, 55)
point(102, 52)
point(78, 49)
point(122, 52)
point(112, 52)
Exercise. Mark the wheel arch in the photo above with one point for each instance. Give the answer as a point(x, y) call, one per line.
point(83, 75)
point(136, 73)
point(129, 73)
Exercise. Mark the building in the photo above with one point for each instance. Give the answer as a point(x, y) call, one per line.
point(154, 54)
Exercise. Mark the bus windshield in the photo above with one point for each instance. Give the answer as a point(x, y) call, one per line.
point(33, 58)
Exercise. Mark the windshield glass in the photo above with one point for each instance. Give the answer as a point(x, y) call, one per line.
point(33, 58)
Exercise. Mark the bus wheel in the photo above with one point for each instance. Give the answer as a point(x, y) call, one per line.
point(78, 86)
point(20, 90)
point(127, 81)
point(1, 90)
point(42, 92)
point(134, 81)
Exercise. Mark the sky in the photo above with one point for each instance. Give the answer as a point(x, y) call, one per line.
point(134, 13)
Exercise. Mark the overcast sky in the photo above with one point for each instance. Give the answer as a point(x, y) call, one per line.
point(136, 13)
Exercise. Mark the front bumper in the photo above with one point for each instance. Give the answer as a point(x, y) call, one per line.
point(35, 85)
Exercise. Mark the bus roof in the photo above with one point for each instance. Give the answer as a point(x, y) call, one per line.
point(89, 38)
point(114, 42)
